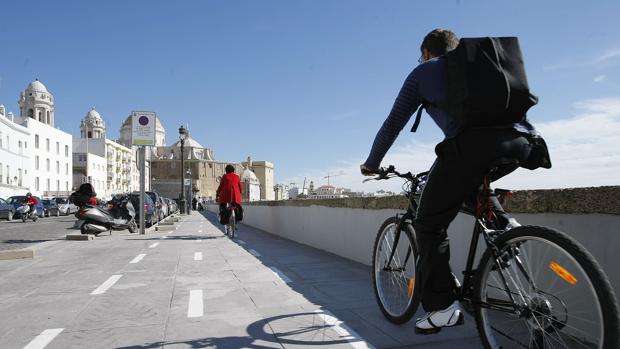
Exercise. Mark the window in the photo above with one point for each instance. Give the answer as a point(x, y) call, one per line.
point(36, 141)
point(66, 169)
point(47, 165)
point(58, 148)
point(66, 151)
point(47, 184)
point(67, 186)
point(47, 144)
point(36, 184)
point(31, 112)
point(58, 167)
point(1, 172)
point(57, 184)
point(36, 162)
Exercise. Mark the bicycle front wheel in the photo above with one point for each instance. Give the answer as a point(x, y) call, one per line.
point(394, 271)
point(544, 291)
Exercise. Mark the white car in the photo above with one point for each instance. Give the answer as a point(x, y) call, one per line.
point(65, 207)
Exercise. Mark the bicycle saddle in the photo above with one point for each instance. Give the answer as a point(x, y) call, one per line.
point(501, 167)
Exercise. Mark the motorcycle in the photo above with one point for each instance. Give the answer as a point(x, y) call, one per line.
point(119, 215)
point(26, 213)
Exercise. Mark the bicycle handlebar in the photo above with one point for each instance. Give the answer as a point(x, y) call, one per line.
point(384, 173)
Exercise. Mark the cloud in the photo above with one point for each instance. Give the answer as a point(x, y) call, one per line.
point(583, 149)
point(599, 78)
point(609, 55)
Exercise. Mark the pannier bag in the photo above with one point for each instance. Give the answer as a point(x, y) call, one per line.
point(224, 215)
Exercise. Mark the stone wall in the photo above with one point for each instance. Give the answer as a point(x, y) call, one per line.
point(603, 200)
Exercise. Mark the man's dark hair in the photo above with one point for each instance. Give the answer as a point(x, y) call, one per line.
point(230, 168)
point(439, 42)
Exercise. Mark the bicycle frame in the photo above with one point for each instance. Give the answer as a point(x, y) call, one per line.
point(484, 216)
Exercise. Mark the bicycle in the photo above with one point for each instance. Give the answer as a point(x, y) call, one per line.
point(534, 287)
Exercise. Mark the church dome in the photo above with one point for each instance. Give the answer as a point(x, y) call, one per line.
point(93, 115)
point(189, 142)
point(36, 86)
point(249, 176)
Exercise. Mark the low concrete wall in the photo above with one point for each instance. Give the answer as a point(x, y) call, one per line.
point(348, 227)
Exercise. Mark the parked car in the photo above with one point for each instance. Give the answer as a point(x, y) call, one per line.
point(155, 197)
point(50, 208)
point(149, 208)
point(18, 200)
point(6, 210)
point(66, 208)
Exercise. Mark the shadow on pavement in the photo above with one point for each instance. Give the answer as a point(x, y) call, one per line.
point(182, 237)
point(256, 333)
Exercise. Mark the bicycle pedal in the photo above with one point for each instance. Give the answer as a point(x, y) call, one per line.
point(428, 331)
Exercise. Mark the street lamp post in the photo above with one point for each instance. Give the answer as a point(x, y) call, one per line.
point(190, 193)
point(183, 134)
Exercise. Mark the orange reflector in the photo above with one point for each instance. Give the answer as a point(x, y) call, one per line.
point(411, 286)
point(563, 273)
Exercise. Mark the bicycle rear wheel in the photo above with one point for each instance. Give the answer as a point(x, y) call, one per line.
point(231, 224)
point(394, 279)
point(544, 291)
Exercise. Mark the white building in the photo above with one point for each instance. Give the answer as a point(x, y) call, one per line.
point(109, 166)
point(15, 158)
point(295, 192)
point(50, 149)
point(327, 192)
point(281, 191)
point(251, 186)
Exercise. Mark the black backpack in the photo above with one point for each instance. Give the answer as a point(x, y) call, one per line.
point(487, 85)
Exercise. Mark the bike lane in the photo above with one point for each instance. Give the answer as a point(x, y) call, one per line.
point(193, 287)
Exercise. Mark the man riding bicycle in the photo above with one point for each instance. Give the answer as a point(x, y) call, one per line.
point(464, 157)
point(229, 190)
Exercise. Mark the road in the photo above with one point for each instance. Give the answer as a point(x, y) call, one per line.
point(189, 287)
point(17, 234)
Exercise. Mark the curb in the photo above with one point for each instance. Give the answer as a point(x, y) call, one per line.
point(80, 237)
point(16, 254)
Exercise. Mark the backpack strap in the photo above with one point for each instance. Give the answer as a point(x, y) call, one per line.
point(418, 117)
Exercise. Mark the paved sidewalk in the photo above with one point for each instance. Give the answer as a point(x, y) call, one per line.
point(195, 288)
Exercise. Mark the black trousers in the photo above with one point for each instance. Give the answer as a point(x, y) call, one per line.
point(456, 175)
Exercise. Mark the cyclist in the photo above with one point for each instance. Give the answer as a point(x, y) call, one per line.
point(463, 158)
point(229, 190)
point(32, 202)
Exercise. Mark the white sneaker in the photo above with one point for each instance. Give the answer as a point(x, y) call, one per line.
point(433, 322)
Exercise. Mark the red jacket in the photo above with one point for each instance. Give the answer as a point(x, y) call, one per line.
point(31, 201)
point(230, 189)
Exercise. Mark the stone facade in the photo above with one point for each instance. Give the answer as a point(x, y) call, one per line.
point(203, 172)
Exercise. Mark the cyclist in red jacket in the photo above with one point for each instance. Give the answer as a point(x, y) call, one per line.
point(229, 190)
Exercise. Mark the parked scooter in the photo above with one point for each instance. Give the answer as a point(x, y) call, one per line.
point(26, 213)
point(119, 215)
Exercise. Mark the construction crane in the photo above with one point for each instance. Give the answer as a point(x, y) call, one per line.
point(334, 175)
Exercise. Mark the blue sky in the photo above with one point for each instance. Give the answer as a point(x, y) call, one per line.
point(305, 84)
